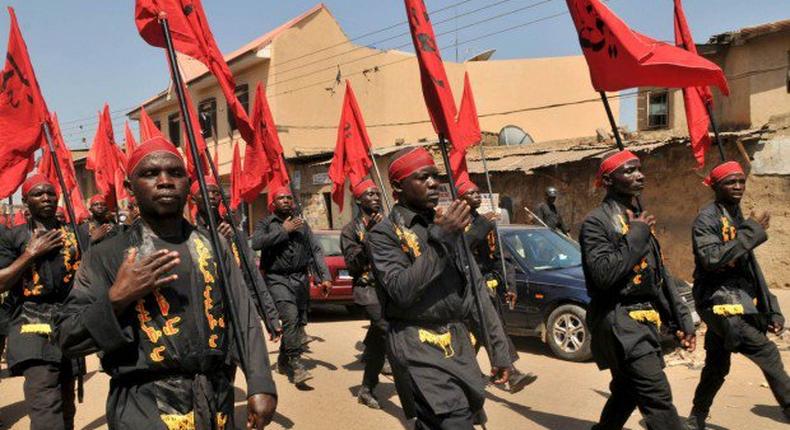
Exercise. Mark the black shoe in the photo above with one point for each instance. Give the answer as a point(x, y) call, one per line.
point(366, 397)
point(299, 373)
point(282, 365)
point(386, 369)
point(696, 421)
point(518, 380)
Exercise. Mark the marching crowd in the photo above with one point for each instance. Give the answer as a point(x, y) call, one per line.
point(148, 297)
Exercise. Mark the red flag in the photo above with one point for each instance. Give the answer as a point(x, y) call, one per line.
point(129, 137)
point(192, 36)
point(148, 128)
point(235, 178)
point(620, 58)
point(695, 99)
point(351, 159)
point(46, 167)
point(469, 134)
point(107, 161)
point(258, 167)
point(22, 113)
point(20, 218)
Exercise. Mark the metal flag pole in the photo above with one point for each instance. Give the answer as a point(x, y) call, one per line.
point(66, 195)
point(715, 132)
point(387, 201)
point(466, 255)
point(190, 132)
point(496, 227)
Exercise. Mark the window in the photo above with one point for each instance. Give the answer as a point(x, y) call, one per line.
point(207, 115)
point(657, 109)
point(243, 94)
point(174, 128)
point(158, 124)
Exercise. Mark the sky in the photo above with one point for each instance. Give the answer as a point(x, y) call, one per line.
point(88, 52)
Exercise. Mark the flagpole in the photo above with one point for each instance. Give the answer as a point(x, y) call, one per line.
point(66, 195)
point(496, 227)
point(387, 201)
point(190, 133)
point(715, 132)
point(466, 255)
point(612, 122)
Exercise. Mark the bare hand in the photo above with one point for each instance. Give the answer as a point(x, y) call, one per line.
point(225, 230)
point(372, 220)
point(643, 217)
point(292, 224)
point(775, 327)
point(491, 216)
point(326, 288)
point(260, 410)
point(99, 232)
point(762, 218)
point(43, 241)
point(687, 341)
point(455, 218)
point(136, 279)
point(277, 335)
point(510, 299)
point(500, 375)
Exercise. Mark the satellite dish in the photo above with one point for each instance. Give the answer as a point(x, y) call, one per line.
point(483, 56)
point(512, 135)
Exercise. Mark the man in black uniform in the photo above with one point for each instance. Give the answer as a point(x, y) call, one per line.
point(731, 294)
point(632, 297)
point(150, 300)
point(548, 213)
point(288, 251)
point(100, 225)
point(483, 241)
point(256, 285)
point(352, 242)
point(38, 262)
point(427, 300)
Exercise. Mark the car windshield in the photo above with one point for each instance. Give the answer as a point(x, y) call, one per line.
point(330, 244)
point(543, 249)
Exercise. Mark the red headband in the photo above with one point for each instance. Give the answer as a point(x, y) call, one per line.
point(34, 181)
point(150, 146)
point(722, 171)
point(612, 163)
point(465, 187)
point(363, 186)
point(409, 163)
point(97, 198)
point(283, 190)
point(195, 188)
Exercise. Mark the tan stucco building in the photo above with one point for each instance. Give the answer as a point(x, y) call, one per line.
point(304, 64)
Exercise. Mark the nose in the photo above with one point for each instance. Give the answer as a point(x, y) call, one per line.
point(165, 180)
point(432, 182)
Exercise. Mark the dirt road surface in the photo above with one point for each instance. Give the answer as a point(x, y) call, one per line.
point(567, 396)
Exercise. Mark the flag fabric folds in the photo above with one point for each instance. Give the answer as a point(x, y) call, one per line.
point(621, 58)
point(695, 99)
point(351, 160)
point(130, 143)
point(46, 167)
point(23, 112)
point(148, 127)
point(107, 161)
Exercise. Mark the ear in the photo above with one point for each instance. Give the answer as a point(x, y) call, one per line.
point(606, 180)
point(396, 186)
point(128, 186)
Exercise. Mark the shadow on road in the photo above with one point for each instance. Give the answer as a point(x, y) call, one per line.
point(331, 313)
point(98, 423)
point(532, 345)
point(543, 419)
point(240, 417)
point(384, 392)
point(770, 411)
point(12, 413)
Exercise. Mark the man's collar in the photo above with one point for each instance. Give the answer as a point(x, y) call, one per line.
point(410, 217)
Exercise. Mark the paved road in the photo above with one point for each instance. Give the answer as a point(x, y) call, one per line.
point(567, 396)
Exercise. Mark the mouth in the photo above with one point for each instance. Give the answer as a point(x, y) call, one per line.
point(433, 197)
point(166, 198)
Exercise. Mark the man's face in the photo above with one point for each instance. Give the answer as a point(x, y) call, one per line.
point(627, 180)
point(42, 201)
point(160, 185)
point(284, 205)
point(551, 198)
point(370, 200)
point(730, 189)
point(214, 197)
point(99, 209)
point(419, 191)
point(473, 198)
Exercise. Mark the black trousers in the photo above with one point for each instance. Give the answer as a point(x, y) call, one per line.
point(291, 342)
point(375, 345)
point(640, 383)
point(49, 394)
point(754, 345)
point(462, 419)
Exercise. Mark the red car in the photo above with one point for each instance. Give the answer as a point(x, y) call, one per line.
point(341, 279)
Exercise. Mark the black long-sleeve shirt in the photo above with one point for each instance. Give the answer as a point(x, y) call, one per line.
point(353, 238)
point(286, 253)
point(485, 246)
point(551, 217)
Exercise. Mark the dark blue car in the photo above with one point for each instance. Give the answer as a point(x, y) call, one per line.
point(552, 297)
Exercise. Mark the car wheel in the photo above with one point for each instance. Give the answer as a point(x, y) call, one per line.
point(567, 333)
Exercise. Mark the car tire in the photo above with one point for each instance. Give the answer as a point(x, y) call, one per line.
point(567, 333)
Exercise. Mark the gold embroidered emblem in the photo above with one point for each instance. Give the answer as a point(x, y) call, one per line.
point(35, 329)
point(235, 253)
point(647, 316)
point(204, 263)
point(623, 225)
point(728, 310)
point(728, 231)
point(71, 263)
point(212, 340)
point(409, 241)
point(143, 316)
point(170, 328)
point(492, 284)
point(179, 422)
point(38, 287)
point(164, 305)
point(472, 339)
point(443, 341)
point(156, 354)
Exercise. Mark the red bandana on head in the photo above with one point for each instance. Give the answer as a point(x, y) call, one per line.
point(410, 162)
point(34, 181)
point(722, 171)
point(359, 189)
point(278, 192)
point(612, 163)
point(150, 146)
point(97, 198)
point(465, 187)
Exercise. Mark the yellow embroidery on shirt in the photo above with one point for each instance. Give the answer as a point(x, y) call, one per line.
point(648, 316)
point(472, 339)
point(156, 354)
point(409, 240)
point(179, 422)
point(222, 421)
point(623, 225)
point(37, 286)
point(728, 231)
point(728, 310)
point(443, 341)
point(491, 239)
point(638, 269)
point(164, 305)
point(70, 262)
point(212, 340)
point(235, 253)
point(492, 284)
point(143, 316)
point(170, 328)
point(35, 329)
point(204, 257)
